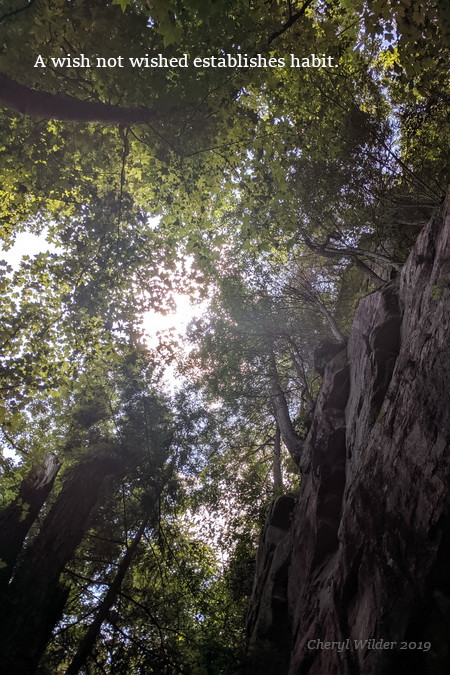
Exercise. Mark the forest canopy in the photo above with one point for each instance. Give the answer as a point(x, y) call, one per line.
point(278, 196)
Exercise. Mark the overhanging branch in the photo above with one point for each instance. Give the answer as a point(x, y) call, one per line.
point(61, 107)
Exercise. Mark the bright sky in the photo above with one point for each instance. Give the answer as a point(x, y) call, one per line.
point(178, 320)
point(153, 322)
point(26, 244)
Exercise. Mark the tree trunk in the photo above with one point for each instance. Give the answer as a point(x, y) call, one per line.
point(292, 440)
point(300, 370)
point(277, 474)
point(337, 333)
point(17, 518)
point(87, 643)
point(61, 107)
point(34, 600)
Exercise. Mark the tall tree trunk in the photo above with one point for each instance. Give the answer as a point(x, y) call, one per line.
point(61, 107)
point(337, 333)
point(277, 474)
point(300, 370)
point(17, 518)
point(87, 643)
point(292, 440)
point(34, 600)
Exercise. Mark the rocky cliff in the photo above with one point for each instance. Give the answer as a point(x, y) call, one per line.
point(352, 576)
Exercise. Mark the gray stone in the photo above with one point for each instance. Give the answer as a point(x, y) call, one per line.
point(368, 547)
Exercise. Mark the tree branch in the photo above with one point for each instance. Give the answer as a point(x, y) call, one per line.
point(291, 439)
point(342, 253)
point(290, 22)
point(87, 642)
point(61, 107)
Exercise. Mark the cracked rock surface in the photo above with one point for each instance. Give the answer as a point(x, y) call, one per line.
point(364, 552)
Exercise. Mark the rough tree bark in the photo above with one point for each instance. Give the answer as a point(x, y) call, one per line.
point(17, 518)
point(34, 600)
point(61, 107)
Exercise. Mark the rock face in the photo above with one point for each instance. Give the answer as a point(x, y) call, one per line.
point(363, 561)
point(268, 615)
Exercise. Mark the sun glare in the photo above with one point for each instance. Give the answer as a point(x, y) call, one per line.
point(156, 325)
